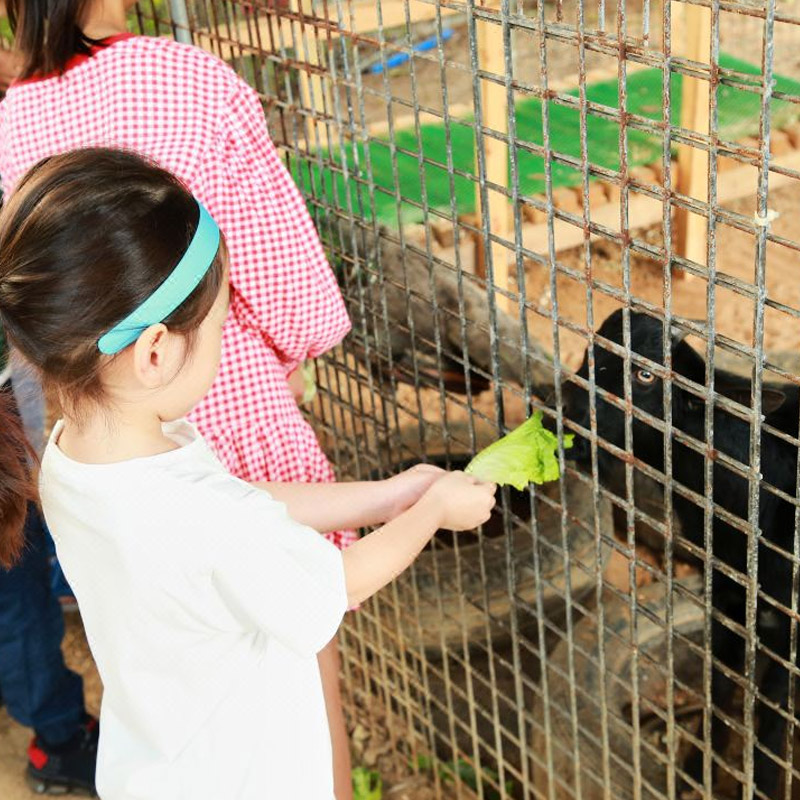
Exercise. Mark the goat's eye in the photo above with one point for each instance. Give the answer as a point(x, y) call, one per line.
point(645, 376)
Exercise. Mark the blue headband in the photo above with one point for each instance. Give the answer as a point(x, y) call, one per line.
point(180, 283)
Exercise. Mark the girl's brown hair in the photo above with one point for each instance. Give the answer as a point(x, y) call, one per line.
point(16, 487)
point(48, 33)
point(87, 237)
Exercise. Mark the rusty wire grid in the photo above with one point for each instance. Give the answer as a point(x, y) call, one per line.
point(488, 200)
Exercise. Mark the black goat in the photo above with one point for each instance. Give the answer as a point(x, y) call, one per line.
point(731, 436)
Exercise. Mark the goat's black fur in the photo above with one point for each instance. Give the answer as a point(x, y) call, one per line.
point(731, 436)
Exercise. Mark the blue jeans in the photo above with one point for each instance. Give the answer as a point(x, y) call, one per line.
point(35, 684)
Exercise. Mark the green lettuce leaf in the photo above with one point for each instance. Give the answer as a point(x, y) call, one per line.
point(526, 455)
point(367, 784)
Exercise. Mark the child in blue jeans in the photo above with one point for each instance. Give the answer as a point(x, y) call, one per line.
point(35, 685)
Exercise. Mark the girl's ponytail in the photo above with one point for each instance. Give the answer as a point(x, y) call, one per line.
point(77, 224)
point(17, 482)
point(47, 33)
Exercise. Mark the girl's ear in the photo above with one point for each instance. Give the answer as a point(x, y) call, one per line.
point(150, 356)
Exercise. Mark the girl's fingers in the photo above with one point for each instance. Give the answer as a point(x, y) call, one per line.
point(478, 482)
point(490, 487)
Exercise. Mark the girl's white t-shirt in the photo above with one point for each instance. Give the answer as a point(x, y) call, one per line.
point(205, 606)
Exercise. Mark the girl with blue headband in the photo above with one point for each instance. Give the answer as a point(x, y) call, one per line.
point(206, 599)
point(84, 80)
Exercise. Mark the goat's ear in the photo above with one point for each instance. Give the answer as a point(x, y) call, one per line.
point(771, 399)
point(679, 332)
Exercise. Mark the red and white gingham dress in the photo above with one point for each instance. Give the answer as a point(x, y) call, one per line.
point(192, 114)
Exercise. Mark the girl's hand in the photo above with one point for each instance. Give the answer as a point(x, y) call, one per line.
point(453, 500)
point(10, 65)
point(301, 383)
point(463, 501)
point(297, 384)
point(406, 488)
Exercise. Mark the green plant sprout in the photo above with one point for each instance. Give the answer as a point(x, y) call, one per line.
point(447, 772)
point(526, 455)
point(367, 784)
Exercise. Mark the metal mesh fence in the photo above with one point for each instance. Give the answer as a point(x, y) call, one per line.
point(492, 182)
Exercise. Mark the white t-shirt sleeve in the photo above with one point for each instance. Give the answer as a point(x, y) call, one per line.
point(277, 575)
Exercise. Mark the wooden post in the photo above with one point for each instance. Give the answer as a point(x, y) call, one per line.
point(315, 90)
point(495, 116)
point(692, 230)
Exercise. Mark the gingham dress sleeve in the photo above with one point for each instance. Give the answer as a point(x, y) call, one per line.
point(283, 287)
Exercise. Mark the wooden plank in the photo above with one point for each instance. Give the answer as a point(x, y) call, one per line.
point(691, 231)
point(393, 14)
point(365, 20)
point(315, 89)
point(645, 211)
point(306, 38)
point(495, 117)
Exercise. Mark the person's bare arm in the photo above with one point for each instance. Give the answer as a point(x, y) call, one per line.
point(358, 504)
point(297, 384)
point(456, 502)
point(10, 65)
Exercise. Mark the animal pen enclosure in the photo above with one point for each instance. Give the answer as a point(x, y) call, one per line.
point(492, 181)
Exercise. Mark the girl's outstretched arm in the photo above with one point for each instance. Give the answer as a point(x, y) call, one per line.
point(456, 501)
point(359, 504)
point(418, 502)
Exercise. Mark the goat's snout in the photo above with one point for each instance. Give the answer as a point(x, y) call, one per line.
point(580, 451)
point(575, 408)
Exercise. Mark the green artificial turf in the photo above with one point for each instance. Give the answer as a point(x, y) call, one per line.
point(738, 112)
